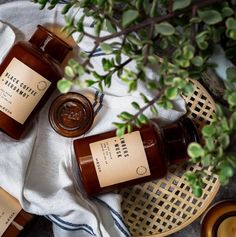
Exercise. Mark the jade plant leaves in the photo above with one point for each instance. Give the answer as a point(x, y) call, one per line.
point(195, 150)
point(128, 17)
point(164, 28)
point(179, 4)
point(210, 17)
point(64, 85)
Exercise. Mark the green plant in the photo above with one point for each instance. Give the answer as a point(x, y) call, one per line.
point(145, 31)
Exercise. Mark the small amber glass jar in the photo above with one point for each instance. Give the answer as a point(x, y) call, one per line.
point(28, 76)
point(107, 162)
point(71, 114)
point(220, 220)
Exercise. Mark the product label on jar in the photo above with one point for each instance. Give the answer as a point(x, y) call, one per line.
point(120, 159)
point(9, 208)
point(21, 88)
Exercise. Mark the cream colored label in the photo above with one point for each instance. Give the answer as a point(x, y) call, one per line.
point(9, 208)
point(21, 88)
point(119, 159)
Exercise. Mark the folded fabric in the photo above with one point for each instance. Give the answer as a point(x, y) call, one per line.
point(6, 40)
point(41, 170)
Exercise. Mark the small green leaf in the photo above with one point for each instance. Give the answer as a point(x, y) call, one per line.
point(195, 150)
point(133, 39)
point(90, 82)
point(120, 131)
point(106, 48)
point(232, 121)
point(132, 85)
point(129, 128)
point(231, 34)
point(64, 85)
point(206, 160)
point(154, 110)
point(125, 116)
point(109, 26)
point(107, 64)
point(143, 119)
point(188, 52)
point(232, 98)
point(197, 61)
point(129, 16)
point(190, 176)
point(202, 45)
point(188, 89)
point(197, 191)
point(210, 144)
point(144, 97)
point(219, 111)
point(66, 8)
point(69, 71)
point(138, 123)
point(231, 23)
point(226, 169)
point(171, 92)
point(164, 28)
point(135, 105)
point(224, 140)
point(118, 58)
point(180, 4)
point(98, 27)
point(163, 43)
point(208, 131)
point(210, 17)
point(179, 82)
point(231, 74)
point(79, 38)
point(183, 63)
point(227, 11)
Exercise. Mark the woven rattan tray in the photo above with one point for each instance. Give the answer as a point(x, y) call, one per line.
point(162, 207)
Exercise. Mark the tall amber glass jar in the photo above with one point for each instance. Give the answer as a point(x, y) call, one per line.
point(107, 162)
point(28, 76)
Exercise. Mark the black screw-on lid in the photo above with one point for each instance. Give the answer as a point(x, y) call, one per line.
point(71, 114)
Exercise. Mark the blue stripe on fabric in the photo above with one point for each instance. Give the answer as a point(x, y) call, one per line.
point(63, 1)
point(98, 54)
point(96, 51)
point(117, 215)
point(71, 226)
point(95, 99)
point(100, 104)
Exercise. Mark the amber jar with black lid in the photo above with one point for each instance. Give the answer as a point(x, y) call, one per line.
point(28, 76)
point(107, 163)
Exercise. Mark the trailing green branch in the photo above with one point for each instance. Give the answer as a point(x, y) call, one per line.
point(184, 34)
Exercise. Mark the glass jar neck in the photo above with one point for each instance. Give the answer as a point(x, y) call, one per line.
point(50, 44)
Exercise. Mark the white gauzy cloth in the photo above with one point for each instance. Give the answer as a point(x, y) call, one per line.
point(41, 171)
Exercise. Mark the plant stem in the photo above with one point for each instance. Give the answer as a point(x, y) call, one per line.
point(158, 19)
point(150, 103)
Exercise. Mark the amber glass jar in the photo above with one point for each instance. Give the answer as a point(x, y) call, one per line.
point(107, 162)
point(28, 76)
point(220, 220)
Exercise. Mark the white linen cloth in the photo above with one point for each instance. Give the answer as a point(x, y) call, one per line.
point(41, 171)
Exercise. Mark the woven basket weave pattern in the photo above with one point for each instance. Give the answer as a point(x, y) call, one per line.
point(164, 206)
